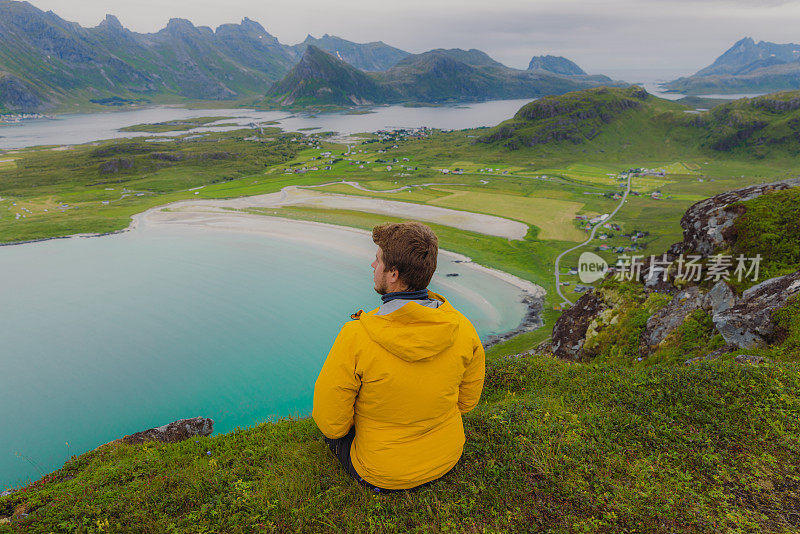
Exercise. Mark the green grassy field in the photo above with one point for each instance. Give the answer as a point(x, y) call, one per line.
point(176, 125)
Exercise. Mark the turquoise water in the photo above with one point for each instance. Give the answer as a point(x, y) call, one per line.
point(104, 337)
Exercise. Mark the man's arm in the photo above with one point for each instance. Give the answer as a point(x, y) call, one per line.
point(336, 387)
point(469, 392)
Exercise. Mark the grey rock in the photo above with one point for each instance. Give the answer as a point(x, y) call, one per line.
point(569, 331)
point(7, 492)
point(748, 358)
point(711, 355)
point(748, 323)
point(16, 95)
point(662, 323)
point(174, 432)
point(720, 298)
point(708, 224)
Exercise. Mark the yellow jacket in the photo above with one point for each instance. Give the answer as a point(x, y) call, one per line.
point(403, 378)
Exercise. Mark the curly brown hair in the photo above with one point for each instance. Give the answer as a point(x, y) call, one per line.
point(411, 248)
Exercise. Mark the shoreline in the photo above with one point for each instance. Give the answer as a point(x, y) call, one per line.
point(530, 294)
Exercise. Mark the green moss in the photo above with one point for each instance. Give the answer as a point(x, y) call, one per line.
point(787, 321)
point(615, 336)
point(695, 337)
point(770, 227)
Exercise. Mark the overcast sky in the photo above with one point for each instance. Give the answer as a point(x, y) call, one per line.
point(615, 37)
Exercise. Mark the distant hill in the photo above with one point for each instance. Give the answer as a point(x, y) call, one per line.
point(433, 77)
point(320, 78)
point(368, 56)
point(556, 65)
point(629, 120)
point(747, 67)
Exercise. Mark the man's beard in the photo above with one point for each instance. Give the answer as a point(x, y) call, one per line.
point(381, 288)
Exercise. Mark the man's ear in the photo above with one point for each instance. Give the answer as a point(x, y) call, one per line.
point(394, 276)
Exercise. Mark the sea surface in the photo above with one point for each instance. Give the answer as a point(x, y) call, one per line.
point(103, 337)
point(70, 129)
point(89, 127)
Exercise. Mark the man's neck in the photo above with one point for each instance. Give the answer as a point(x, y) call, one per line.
point(405, 295)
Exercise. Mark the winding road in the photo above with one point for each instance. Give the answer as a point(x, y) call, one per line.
point(591, 236)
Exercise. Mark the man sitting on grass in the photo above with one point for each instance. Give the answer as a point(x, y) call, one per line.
point(390, 395)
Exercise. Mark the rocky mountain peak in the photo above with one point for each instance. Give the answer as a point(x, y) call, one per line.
point(111, 22)
point(251, 25)
point(179, 25)
point(556, 65)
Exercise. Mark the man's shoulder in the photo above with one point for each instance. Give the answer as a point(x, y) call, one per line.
point(448, 306)
point(354, 325)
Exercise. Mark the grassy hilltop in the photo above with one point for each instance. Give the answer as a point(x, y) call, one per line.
point(607, 443)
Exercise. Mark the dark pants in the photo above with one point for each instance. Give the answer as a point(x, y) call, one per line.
point(341, 449)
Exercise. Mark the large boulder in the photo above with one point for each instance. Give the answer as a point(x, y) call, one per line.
point(569, 331)
point(720, 298)
point(174, 432)
point(662, 323)
point(748, 323)
point(708, 224)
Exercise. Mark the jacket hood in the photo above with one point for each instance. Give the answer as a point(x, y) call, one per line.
point(414, 332)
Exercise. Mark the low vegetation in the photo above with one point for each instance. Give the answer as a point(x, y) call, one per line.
point(176, 125)
point(553, 447)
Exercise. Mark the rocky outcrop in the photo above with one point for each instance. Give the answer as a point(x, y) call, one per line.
point(708, 224)
point(662, 323)
point(174, 432)
point(115, 165)
point(17, 96)
point(748, 323)
point(569, 331)
point(666, 320)
point(743, 322)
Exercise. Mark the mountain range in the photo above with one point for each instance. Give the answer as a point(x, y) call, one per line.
point(435, 76)
point(746, 67)
point(47, 63)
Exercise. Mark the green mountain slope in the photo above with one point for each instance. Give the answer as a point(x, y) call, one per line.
point(47, 63)
point(320, 78)
point(631, 121)
point(471, 75)
point(435, 76)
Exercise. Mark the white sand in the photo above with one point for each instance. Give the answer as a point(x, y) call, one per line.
point(340, 238)
point(296, 196)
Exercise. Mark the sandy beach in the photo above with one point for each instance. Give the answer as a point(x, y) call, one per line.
point(341, 238)
point(305, 197)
